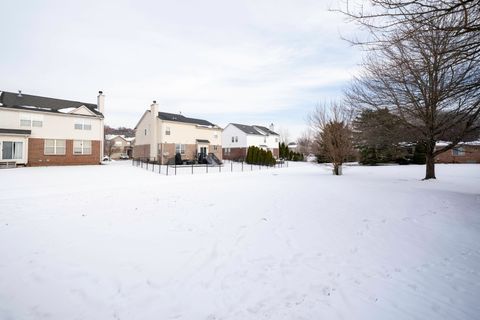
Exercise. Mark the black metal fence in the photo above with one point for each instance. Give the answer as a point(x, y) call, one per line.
point(227, 166)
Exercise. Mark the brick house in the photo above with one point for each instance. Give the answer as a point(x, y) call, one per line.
point(238, 137)
point(467, 152)
point(159, 136)
point(41, 131)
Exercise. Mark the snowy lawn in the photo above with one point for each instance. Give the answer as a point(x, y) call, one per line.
point(119, 242)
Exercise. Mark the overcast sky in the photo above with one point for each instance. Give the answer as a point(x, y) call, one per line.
point(252, 62)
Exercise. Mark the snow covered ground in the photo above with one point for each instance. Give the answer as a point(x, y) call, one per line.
point(119, 242)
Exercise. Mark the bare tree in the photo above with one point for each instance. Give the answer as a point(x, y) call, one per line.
point(384, 16)
point(284, 135)
point(110, 147)
point(425, 68)
point(305, 143)
point(333, 136)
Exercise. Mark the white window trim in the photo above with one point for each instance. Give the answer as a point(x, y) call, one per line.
point(34, 120)
point(181, 147)
point(83, 124)
point(83, 148)
point(56, 146)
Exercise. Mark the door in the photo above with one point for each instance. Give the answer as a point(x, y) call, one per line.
point(12, 150)
point(203, 150)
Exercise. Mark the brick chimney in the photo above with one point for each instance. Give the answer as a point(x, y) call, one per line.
point(272, 127)
point(154, 131)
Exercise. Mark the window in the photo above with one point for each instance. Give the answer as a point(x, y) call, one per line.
point(227, 150)
point(215, 136)
point(459, 151)
point(31, 120)
point(145, 131)
point(180, 148)
point(236, 139)
point(233, 139)
point(264, 139)
point(82, 124)
point(12, 150)
point(215, 148)
point(167, 131)
point(54, 147)
point(118, 143)
point(276, 139)
point(82, 147)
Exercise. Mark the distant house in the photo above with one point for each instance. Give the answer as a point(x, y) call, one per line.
point(116, 145)
point(159, 136)
point(292, 146)
point(237, 138)
point(465, 152)
point(41, 131)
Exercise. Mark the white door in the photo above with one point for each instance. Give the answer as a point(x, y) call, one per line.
point(11, 150)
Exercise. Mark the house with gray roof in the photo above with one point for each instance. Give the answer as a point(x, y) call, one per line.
point(236, 138)
point(159, 136)
point(42, 131)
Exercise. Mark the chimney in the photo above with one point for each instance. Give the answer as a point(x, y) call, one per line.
point(101, 102)
point(19, 93)
point(272, 127)
point(101, 109)
point(154, 131)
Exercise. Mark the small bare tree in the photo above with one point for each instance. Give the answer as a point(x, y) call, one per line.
point(333, 135)
point(284, 135)
point(110, 147)
point(305, 143)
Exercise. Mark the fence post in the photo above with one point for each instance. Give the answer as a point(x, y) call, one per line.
point(207, 167)
point(159, 168)
point(146, 165)
point(167, 169)
point(251, 167)
point(192, 168)
point(242, 166)
point(219, 168)
point(175, 169)
point(231, 166)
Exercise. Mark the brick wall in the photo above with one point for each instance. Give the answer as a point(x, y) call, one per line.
point(37, 157)
point(141, 151)
point(235, 154)
point(472, 155)
point(218, 153)
point(276, 153)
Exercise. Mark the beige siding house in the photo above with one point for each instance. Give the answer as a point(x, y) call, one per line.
point(117, 146)
point(41, 131)
point(159, 136)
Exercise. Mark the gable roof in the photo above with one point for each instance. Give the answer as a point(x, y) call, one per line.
point(256, 130)
point(181, 118)
point(265, 129)
point(30, 102)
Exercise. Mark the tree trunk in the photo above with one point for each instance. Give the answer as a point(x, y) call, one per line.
point(337, 171)
point(430, 162)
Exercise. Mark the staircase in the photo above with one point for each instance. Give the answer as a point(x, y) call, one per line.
point(212, 159)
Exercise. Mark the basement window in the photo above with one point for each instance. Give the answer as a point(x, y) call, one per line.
point(167, 131)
